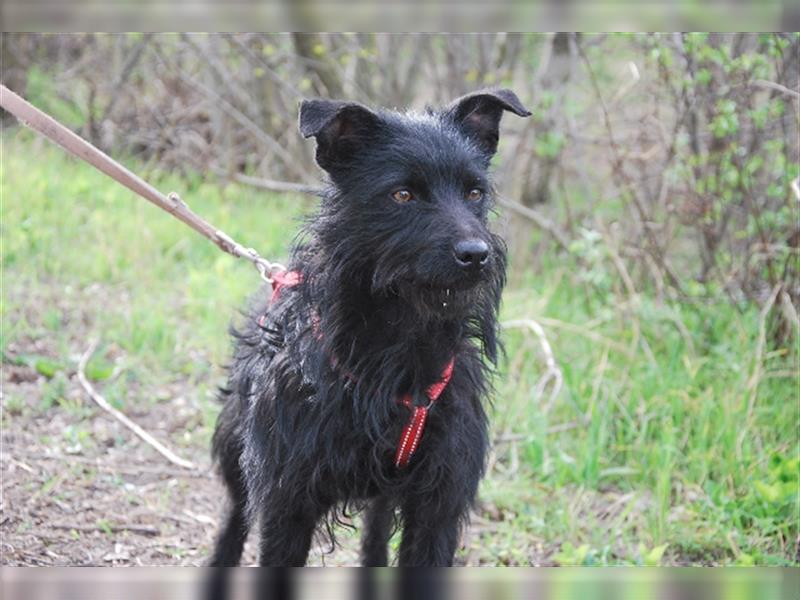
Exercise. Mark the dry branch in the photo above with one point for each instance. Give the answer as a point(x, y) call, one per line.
point(121, 417)
point(771, 85)
point(789, 312)
point(127, 69)
point(237, 115)
point(588, 333)
point(536, 218)
point(274, 185)
point(617, 164)
point(553, 372)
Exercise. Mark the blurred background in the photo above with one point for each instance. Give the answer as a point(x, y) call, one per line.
point(646, 411)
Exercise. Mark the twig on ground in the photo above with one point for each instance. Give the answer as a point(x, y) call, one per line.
point(202, 519)
point(553, 372)
point(139, 529)
point(95, 463)
point(121, 417)
point(53, 483)
point(21, 465)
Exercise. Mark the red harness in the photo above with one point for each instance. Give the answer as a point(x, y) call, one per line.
point(412, 432)
point(414, 428)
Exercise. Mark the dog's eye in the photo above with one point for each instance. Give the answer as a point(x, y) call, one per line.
point(402, 196)
point(475, 194)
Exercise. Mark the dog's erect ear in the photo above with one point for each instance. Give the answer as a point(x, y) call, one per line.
point(341, 129)
point(478, 114)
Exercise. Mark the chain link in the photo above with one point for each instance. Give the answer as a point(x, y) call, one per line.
point(265, 268)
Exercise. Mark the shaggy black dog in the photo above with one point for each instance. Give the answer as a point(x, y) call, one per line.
point(361, 383)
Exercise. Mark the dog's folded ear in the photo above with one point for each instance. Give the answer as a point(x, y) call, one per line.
point(340, 128)
point(478, 115)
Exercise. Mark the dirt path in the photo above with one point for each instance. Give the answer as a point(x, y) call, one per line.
point(79, 489)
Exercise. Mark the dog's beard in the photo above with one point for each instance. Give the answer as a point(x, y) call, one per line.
point(436, 300)
point(448, 294)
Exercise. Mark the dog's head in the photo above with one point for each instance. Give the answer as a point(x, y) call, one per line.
point(411, 195)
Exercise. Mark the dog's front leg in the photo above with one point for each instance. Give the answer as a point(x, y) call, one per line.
point(430, 536)
point(287, 528)
point(378, 522)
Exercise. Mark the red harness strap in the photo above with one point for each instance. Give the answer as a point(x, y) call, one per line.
point(415, 427)
point(412, 432)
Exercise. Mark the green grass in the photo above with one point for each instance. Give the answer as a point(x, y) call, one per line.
point(69, 230)
point(661, 447)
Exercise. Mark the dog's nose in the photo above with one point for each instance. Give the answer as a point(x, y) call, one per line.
point(471, 254)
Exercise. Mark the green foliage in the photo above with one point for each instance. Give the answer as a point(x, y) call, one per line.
point(569, 556)
point(780, 487)
point(726, 121)
point(549, 145)
point(41, 92)
point(105, 526)
point(98, 369)
point(736, 163)
point(156, 284)
point(657, 405)
point(41, 364)
point(650, 454)
point(651, 557)
point(591, 251)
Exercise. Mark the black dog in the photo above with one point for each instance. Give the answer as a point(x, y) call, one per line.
point(360, 384)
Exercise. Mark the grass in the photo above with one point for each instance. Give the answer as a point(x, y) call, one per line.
point(662, 447)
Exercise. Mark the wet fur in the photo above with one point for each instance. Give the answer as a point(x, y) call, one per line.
point(311, 418)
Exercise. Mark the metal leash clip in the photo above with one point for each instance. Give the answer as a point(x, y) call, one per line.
point(265, 268)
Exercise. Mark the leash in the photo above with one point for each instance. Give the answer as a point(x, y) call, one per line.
point(415, 426)
point(44, 124)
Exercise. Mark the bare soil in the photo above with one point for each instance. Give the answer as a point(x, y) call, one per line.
point(79, 488)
